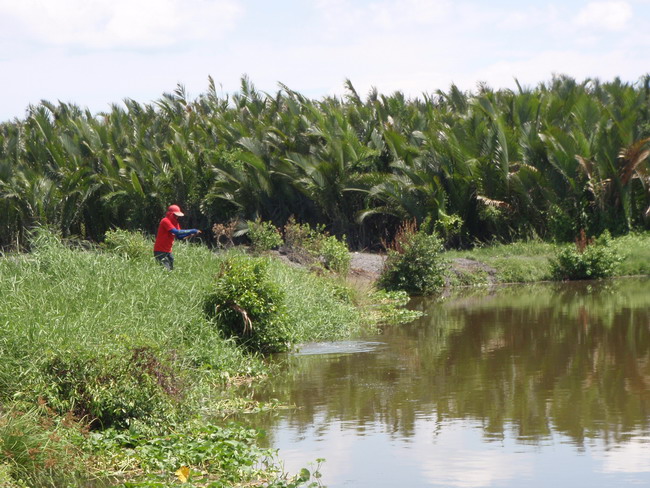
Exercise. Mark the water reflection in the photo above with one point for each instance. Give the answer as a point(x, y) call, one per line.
point(478, 382)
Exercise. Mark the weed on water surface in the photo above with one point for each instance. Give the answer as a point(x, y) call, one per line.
point(193, 454)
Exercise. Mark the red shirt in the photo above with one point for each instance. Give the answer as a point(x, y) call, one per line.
point(165, 238)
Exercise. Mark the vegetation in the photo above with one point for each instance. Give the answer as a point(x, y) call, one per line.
point(316, 247)
point(414, 262)
point(587, 260)
point(248, 306)
point(264, 236)
point(502, 165)
point(108, 361)
point(532, 261)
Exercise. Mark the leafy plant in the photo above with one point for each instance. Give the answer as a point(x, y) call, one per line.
point(306, 244)
point(587, 259)
point(200, 453)
point(246, 305)
point(264, 236)
point(334, 254)
point(388, 306)
point(108, 389)
point(414, 262)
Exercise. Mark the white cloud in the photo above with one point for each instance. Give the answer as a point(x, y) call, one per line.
point(474, 469)
point(121, 23)
point(610, 16)
point(391, 14)
point(341, 15)
point(575, 63)
point(98, 51)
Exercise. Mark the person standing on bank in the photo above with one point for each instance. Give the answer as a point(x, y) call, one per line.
point(168, 230)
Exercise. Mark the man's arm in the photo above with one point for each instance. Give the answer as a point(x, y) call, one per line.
point(182, 234)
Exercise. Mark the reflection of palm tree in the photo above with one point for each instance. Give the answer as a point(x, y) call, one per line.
point(514, 360)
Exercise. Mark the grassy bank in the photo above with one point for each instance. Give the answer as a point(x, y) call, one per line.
point(109, 366)
point(528, 262)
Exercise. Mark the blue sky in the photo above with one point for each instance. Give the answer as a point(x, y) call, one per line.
point(98, 52)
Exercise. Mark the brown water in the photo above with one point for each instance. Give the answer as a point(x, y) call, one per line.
point(535, 386)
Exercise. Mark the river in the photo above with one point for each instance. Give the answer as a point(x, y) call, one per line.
point(538, 386)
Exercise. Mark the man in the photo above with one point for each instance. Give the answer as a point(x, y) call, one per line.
point(168, 230)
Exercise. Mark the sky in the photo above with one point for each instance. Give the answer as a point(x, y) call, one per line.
point(96, 53)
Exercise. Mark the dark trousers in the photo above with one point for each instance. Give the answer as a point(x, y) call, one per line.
point(164, 258)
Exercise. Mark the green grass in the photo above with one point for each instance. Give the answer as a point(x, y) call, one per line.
point(111, 335)
point(528, 262)
point(520, 262)
point(634, 249)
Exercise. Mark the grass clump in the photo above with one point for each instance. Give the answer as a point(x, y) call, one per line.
point(519, 262)
point(634, 251)
point(39, 448)
point(130, 245)
point(319, 307)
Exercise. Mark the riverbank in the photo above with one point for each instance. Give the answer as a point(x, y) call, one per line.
point(520, 262)
point(113, 374)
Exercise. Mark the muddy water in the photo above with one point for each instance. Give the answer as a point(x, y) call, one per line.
point(536, 386)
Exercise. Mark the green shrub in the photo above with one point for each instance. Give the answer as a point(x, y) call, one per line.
point(300, 236)
point(585, 260)
point(264, 236)
point(110, 390)
point(247, 306)
point(128, 244)
point(414, 263)
point(309, 245)
point(335, 255)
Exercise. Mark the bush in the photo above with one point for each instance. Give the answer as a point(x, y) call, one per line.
point(586, 260)
point(130, 245)
point(264, 236)
point(309, 245)
point(334, 254)
point(110, 390)
point(414, 263)
point(247, 306)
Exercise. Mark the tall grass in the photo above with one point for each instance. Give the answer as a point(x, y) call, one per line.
point(114, 339)
point(58, 299)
